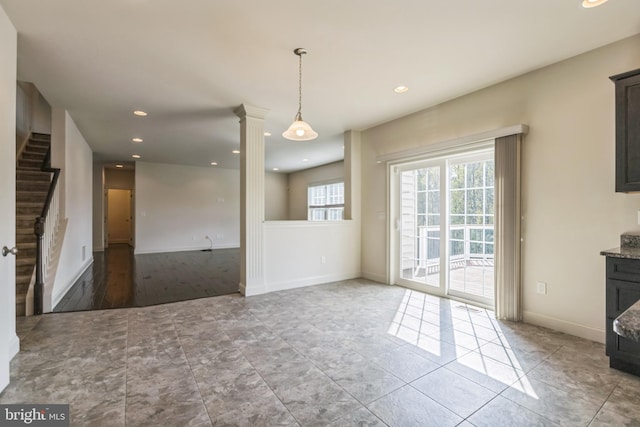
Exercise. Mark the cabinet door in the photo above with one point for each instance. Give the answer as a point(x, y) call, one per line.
point(618, 346)
point(620, 296)
point(628, 132)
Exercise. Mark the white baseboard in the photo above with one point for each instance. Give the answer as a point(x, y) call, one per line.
point(308, 281)
point(59, 294)
point(578, 330)
point(375, 277)
point(253, 290)
point(14, 346)
point(182, 249)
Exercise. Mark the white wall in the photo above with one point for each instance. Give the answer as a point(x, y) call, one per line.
point(276, 202)
point(33, 112)
point(177, 206)
point(9, 343)
point(76, 179)
point(303, 253)
point(570, 209)
point(300, 181)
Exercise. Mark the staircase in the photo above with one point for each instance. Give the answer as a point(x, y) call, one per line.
point(32, 186)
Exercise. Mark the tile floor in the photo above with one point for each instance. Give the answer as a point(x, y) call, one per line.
point(352, 353)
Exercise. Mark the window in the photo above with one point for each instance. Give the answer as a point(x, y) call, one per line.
point(326, 202)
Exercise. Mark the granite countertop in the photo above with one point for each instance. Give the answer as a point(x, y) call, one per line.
point(628, 323)
point(629, 247)
point(622, 252)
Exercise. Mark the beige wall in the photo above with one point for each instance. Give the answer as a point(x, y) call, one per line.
point(300, 181)
point(276, 201)
point(570, 209)
point(120, 179)
point(177, 206)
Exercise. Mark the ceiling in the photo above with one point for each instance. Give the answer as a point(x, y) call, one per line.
point(190, 63)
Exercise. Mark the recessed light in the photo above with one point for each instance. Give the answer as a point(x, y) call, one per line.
point(136, 140)
point(236, 151)
point(136, 156)
point(119, 166)
point(214, 164)
point(593, 3)
point(402, 89)
point(140, 113)
point(305, 160)
point(276, 169)
point(267, 134)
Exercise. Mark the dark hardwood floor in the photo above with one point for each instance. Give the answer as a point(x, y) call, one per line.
point(118, 278)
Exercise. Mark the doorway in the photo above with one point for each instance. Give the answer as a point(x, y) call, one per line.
point(119, 216)
point(442, 236)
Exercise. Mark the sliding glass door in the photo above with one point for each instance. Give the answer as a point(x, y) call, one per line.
point(444, 225)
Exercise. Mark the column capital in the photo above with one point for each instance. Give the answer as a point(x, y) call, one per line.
point(244, 111)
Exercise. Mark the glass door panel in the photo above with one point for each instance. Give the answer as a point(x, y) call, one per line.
point(420, 225)
point(470, 194)
point(443, 210)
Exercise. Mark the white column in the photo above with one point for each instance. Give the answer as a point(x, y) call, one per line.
point(251, 199)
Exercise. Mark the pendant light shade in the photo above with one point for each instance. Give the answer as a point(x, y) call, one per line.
point(299, 129)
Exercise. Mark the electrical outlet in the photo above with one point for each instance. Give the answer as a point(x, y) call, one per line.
point(219, 236)
point(542, 288)
point(323, 259)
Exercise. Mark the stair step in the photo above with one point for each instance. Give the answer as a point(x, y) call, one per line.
point(24, 269)
point(25, 238)
point(29, 208)
point(30, 155)
point(21, 310)
point(26, 253)
point(31, 196)
point(23, 278)
point(38, 143)
point(28, 185)
point(25, 261)
point(29, 163)
point(36, 148)
point(25, 221)
point(28, 174)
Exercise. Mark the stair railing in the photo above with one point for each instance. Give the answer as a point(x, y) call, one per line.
point(44, 229)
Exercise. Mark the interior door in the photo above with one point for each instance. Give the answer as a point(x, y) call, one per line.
point(119, 216)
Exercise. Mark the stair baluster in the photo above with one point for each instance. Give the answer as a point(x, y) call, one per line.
point(44, 229)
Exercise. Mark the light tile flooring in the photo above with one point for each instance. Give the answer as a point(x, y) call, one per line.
point(342, 354)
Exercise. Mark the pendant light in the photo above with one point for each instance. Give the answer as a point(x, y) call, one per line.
point(592, 3)
point(299, 129)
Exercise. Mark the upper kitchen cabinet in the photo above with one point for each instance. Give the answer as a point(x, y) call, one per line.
point(627, 131)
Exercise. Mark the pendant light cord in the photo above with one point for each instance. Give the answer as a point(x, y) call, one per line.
point(300, 87)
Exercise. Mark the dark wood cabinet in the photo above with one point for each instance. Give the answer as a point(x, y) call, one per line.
point(623, 290)
point(627, 131)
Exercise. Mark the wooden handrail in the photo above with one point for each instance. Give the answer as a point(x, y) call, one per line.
point(39, 228)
